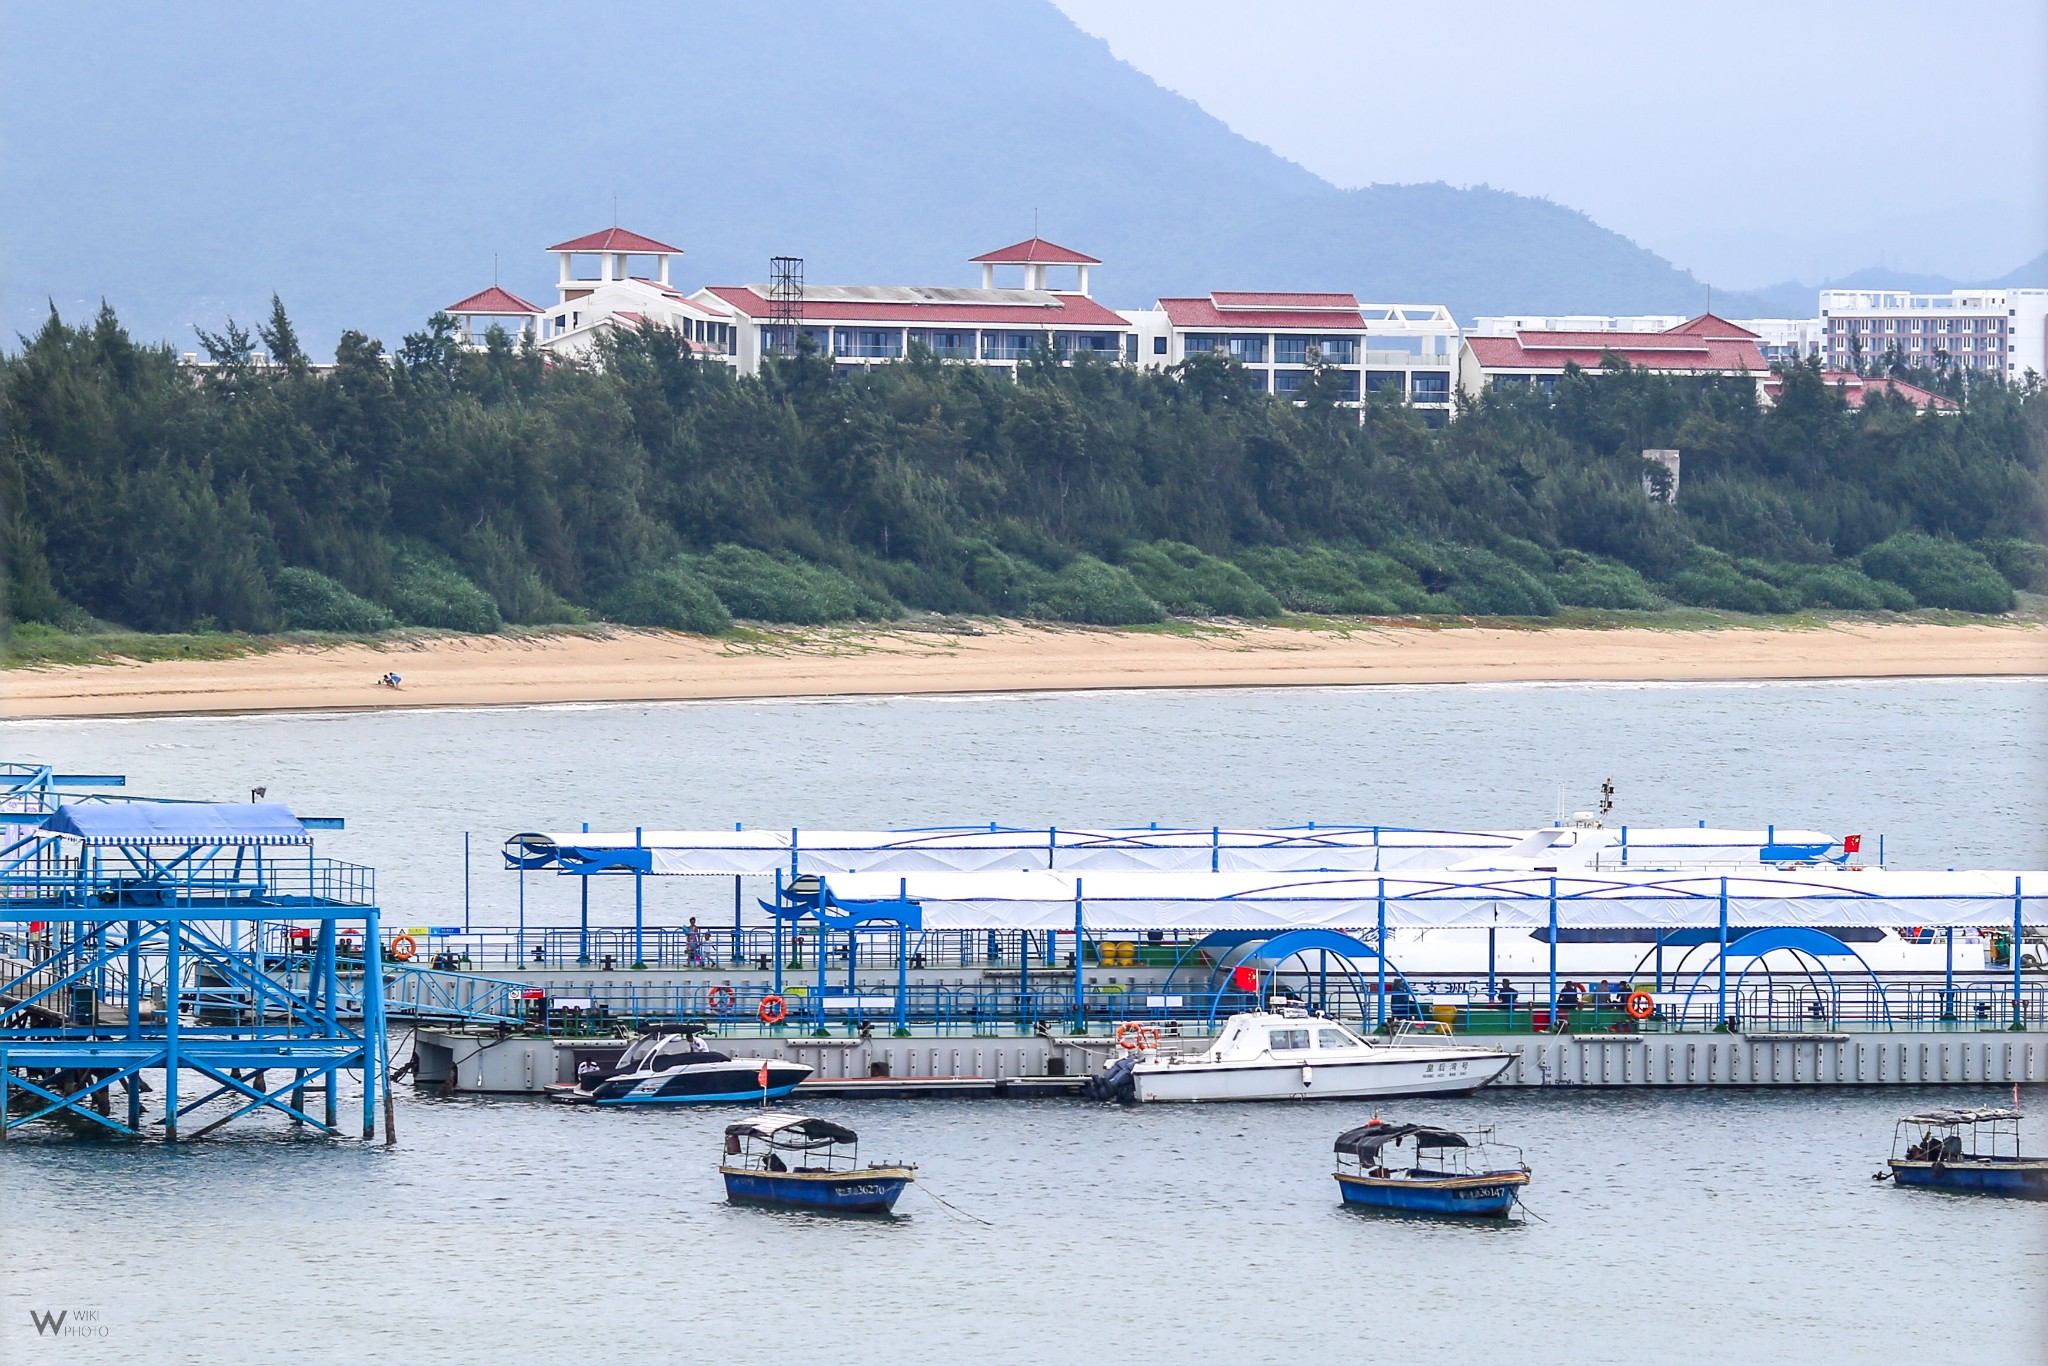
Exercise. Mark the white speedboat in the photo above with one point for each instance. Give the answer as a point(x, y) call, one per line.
point(1292, 1055)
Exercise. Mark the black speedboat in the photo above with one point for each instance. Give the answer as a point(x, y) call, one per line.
point(677, 1069)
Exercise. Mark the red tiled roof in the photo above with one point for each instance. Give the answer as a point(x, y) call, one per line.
point(1229, 300)
point(1204, 313)
point(493, 301)
point(1855, 388)
point(617, 239)
point(1033, 251)
point(1710, 325)
point(1072, 310)
point(1678, 349)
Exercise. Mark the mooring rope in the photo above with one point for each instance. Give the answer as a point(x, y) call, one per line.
point(951, 1206)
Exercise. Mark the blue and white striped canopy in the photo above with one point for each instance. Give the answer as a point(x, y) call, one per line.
point(177, 823)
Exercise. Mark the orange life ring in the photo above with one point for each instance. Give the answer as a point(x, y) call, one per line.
point(1136, 1037)
point(722, 999)
point(1641, 1005)
point(402, 948)
point(774, 1010)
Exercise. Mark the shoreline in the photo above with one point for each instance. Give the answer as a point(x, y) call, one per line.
point(635, 666)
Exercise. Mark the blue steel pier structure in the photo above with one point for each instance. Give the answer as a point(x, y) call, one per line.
point(139, 954)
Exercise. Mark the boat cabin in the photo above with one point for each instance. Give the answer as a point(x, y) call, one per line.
point(1421, 1152)
point(791, 1143)
point(1289, 1036)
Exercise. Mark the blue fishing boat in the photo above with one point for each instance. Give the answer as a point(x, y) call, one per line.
point(805, 1163)
point(1974, 1152)
point(1418, 1169)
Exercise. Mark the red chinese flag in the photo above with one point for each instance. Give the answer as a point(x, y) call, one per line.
point(764, 1076)
point(1245, 979)
point(1852, 844)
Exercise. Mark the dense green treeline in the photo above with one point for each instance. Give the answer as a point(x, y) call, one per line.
point(462, 489)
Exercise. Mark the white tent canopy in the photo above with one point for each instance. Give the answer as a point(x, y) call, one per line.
point(1358, 849)
point(1816, 897)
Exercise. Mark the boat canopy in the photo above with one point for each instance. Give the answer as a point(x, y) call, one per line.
point(1820, 897)
point(1956, 1119)
point(792, 1131)
point(1365, 1142)
point(177, 823)
point(994, 848)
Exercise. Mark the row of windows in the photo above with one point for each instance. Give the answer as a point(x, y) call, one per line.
point(1251, 348)
point(890, 343)
point(1942, 325)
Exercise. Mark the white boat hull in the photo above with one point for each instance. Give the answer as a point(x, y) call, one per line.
point(1391, 1071)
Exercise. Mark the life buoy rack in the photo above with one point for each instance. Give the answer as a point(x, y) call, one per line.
point(722, 999)
point(403, 947)
point(774, 1010)
point(1136, 1037)
point(1641, 1005)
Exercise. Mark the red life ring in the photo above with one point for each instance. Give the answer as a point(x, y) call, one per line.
point(403, 948)
point(722, 999)
point(774, 1010)
point(1641, 1005)
point(1136, 1037)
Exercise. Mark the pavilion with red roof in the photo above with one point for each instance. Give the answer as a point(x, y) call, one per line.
point(614, 249)
point(1034, 254)
point(495, 307)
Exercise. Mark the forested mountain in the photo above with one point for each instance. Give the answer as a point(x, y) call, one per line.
point(369, 161)
point(462, 489)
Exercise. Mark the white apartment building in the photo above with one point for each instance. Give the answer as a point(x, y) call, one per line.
point(1539, 357)
point(1409, 350)
point(1782, 340)
point(2002, 331)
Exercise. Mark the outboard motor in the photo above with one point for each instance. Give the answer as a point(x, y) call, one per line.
point(1113, 1082)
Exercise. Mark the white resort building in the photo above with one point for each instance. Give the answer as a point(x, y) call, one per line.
point(857, 325)
point(1782, 340)
point(1705, 345)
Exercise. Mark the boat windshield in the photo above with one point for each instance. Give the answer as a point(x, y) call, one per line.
point(637, 1052)
point(1336, 1038)
point(1287, 1040)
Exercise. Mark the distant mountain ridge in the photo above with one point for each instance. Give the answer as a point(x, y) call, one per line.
point(367, 163)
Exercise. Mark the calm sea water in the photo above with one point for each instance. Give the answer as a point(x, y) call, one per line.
point(1688, 1227)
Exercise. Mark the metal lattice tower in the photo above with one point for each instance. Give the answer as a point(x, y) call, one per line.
point(785, 303)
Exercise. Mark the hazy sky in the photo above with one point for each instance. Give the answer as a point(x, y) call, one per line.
point(1751, 142)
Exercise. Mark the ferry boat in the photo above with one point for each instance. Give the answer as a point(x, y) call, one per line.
point(1420, 1169)
point(1974, 1152)
point(676, 1069)
point(1291, 1055)
point(806, 1163)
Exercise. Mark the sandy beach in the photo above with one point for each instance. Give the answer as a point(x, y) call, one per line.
point(658, 666)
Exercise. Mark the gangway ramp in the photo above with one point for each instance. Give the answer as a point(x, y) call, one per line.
point(429, 994)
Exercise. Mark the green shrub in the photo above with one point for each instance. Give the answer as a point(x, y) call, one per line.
point(498, 564)
point(1712, 579)
point(1317, 579)
point(1588, 581)
point(782, 588)
point(1478, 581)
point(428, 590)
point(1939, 573)
point(669, 596)
point(2022, 563)
point(1528, 555)
point(1008, 583)
point(1188, 583)
point(1088, 590)
point(1842, 586)
point(310, 601)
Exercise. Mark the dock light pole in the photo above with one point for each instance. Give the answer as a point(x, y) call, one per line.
point(1721, 989)
point(1380, 961)
point(1080, 1001)
point(583, 925)
point(639, 906)
point(522, 909)
point(465, 882)
point(738, 957)
point(903, 960)
point(778, 931)
point(1553, 955)
point(1948, 973)
point(2018, 1022)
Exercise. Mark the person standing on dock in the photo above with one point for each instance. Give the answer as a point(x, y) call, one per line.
point(693, 945)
